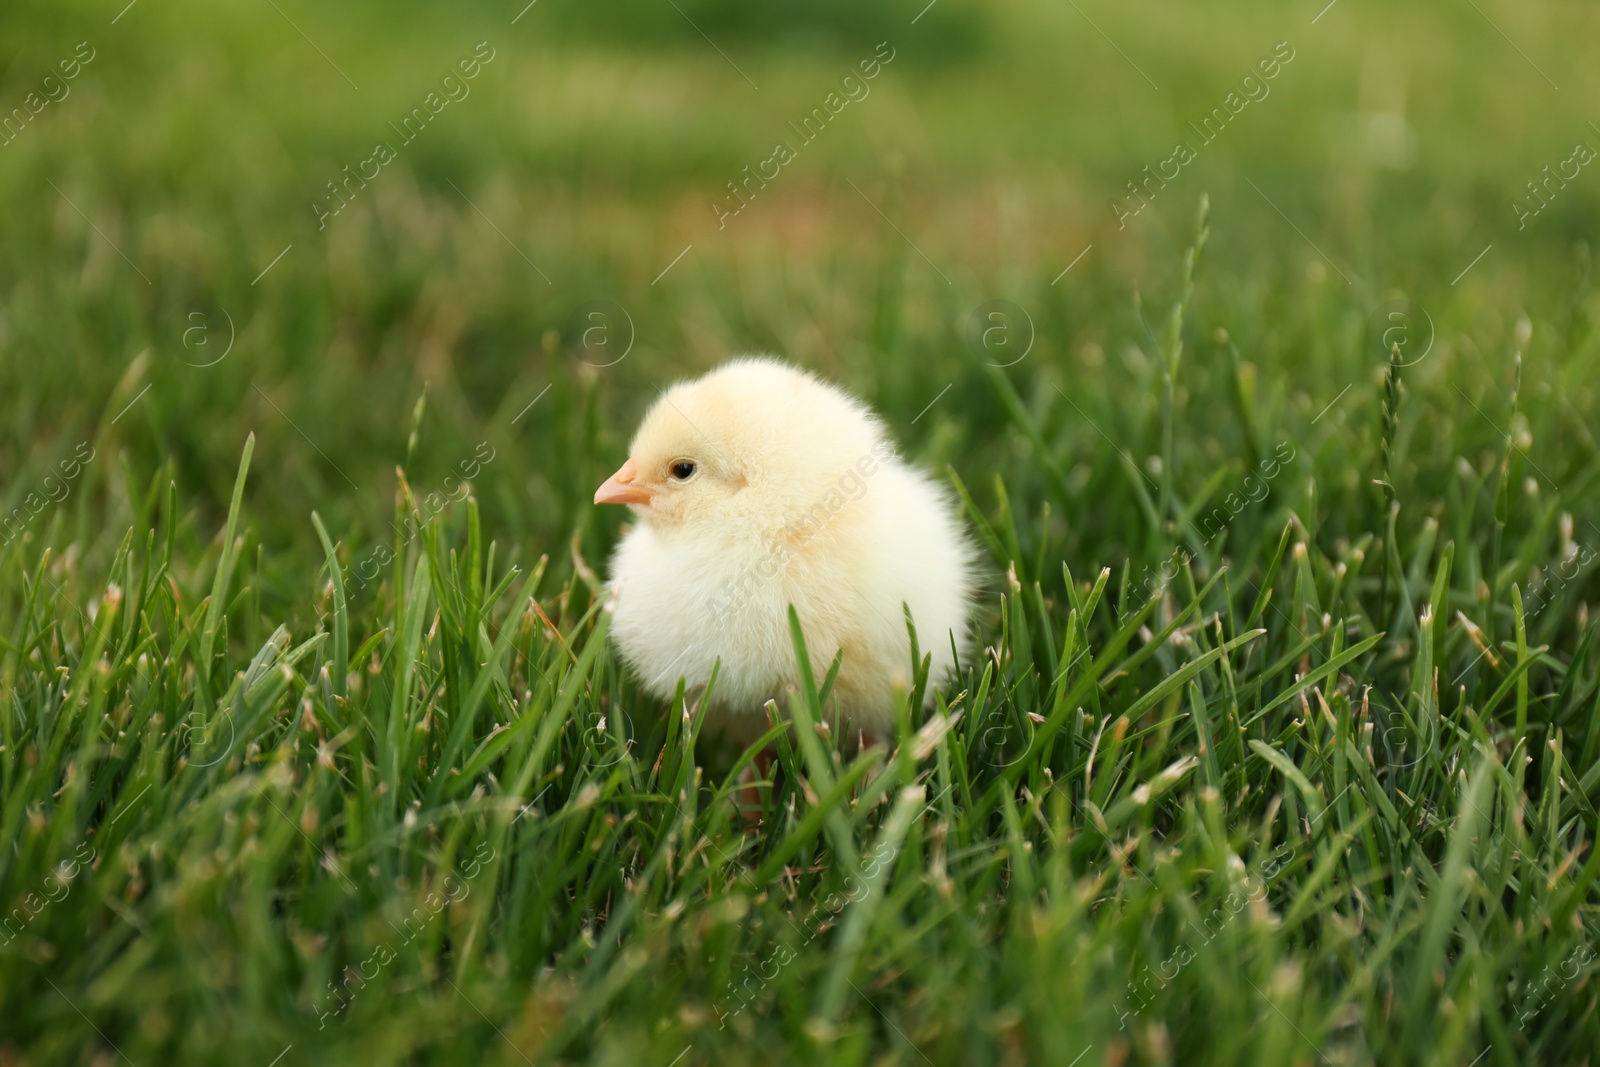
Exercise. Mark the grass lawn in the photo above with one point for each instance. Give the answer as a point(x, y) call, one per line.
point(1258, 341)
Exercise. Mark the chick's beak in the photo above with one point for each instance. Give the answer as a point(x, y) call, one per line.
point(619, 488)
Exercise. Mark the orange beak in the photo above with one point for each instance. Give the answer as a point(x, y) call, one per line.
point(619, 488)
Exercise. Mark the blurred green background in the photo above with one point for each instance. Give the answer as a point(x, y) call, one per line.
point(192, 147)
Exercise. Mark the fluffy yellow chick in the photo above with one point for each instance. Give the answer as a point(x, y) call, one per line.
point(759, 486)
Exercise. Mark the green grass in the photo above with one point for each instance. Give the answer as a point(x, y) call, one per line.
point(1283, 745)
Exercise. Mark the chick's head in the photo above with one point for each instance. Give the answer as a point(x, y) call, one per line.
point(744, 448)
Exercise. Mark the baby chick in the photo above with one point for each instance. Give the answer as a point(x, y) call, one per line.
point(759, 486)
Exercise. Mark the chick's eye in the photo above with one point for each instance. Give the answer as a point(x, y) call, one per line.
point(683, 470)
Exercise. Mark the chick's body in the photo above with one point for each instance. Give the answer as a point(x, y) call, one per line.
point(759, 486)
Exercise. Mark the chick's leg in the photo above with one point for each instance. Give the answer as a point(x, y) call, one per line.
point(753, 779)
